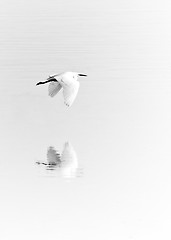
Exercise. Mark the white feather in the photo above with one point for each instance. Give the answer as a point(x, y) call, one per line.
point(69, 161)
point(54, 88)
point(70, 92)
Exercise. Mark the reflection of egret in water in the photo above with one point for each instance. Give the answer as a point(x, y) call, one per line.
point(66, 163)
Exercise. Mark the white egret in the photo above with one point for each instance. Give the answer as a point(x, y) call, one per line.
point(68, 81)
point(66, 162)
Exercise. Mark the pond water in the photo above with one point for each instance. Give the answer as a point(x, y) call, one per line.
point(110, 151)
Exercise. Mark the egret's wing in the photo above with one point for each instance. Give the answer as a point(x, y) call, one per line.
point(68, 155)
point(53, 157)
point(70, 90)
point(69, 161)
point(54, 88)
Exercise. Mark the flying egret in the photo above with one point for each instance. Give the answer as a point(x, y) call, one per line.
point(68, 81)
point(67, 162)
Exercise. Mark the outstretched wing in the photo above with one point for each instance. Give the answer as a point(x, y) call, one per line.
point(70, 90)
point(54, 88)
point(53, 157)
point(69, 161)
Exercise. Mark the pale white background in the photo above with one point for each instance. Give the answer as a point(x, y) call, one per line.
point(119, 124)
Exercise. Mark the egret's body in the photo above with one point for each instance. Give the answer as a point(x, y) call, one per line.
point(68, 81)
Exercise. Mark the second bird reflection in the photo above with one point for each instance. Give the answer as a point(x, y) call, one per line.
point(67, 161)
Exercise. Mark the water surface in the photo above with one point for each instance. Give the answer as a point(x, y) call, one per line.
point(119, 124)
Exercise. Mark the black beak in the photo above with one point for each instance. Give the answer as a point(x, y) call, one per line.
point(82, 75)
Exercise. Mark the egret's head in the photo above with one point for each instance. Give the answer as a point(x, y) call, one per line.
point(75, 75)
